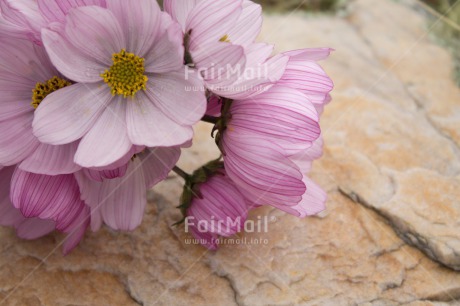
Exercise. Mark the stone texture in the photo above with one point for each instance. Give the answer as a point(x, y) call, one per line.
point(391, 166)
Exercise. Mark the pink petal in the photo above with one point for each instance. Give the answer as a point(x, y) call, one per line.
point(210, 20)
point(214, 106)
point(261, 171)
point(52, 160)
point(139, 20)
point(99, 176)
point(309, 78)
point(82, 67)
point(220, 64)
point(182, 100)
point(9, 215)
point(149, 126)
point(221, 203)
point(90, 190)
point(180, 10)
point(76, 230)
point(122, 200)
point(314, 54)
point(33, 228)
point(56, 10)
point(46, 197)
point(69, 113)
point(95, 32)
point(281, 115)
point(157, 163)
point(23, 64)
point(24, 14)
point(248, 26)
point(167, 53)
point(11, 109)
point(16, 139)
point(107, 141)
point(313, 201)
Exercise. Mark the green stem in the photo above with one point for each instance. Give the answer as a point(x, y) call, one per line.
point(181, 173)
point(209, 119)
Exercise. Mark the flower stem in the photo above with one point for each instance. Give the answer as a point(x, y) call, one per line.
point(209, 119)
point(181, 173)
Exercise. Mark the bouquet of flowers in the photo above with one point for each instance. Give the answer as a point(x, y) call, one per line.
point(98, 97)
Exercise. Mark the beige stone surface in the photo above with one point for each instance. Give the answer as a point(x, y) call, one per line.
point(390, 236)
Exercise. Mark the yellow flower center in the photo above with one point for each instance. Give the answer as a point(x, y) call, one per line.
point(225, 38)
point(126, 76)
point(41, 90)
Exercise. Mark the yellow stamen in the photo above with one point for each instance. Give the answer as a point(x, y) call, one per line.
point(225, 38)
point(41, 90)
point(126, 76)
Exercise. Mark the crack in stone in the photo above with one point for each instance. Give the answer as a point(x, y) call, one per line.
point(231, 283)
point(410, 237)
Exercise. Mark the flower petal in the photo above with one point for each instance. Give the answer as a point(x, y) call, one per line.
point(180, 98)
point(281, 115)
point(46, 197)
point(139, 20)
point(149, 126)
point(313, 54)
point(210, 20)
point(248, 26)
point(16, 139)
point(221, 208)
point(24, 14)
point(157, 163)
point(167, 53)
point(34, 228)
point(261, 170)
point(220, 64)
point(69, 113)
point(123, 200)
point(9, 215)
point(107, 141)
point(52, 160)
point(180, 10)
point(76, 230)
point(56, 10)
point(313, 201)
point(69, 60)
point(95, 32)
point(308, 77)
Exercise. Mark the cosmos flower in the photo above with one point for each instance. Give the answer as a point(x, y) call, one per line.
point(223, 48)
point(304, 74)
point(26, 228)
point(217, 208)
point(26, 18)
point(127, 61)
point(36, 206)
point(118, 197)
point(26, 78)
point(261, 135)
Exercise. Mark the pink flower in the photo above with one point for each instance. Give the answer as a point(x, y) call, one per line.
point(314, 199)
point(261, 135)
point(119, 200)
point(24, 68)
point(219, 210)
point(26, 228)
point(26, 18)
point(40, 203)
point(109, 112)
point(304, 74)
point(219, 41)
